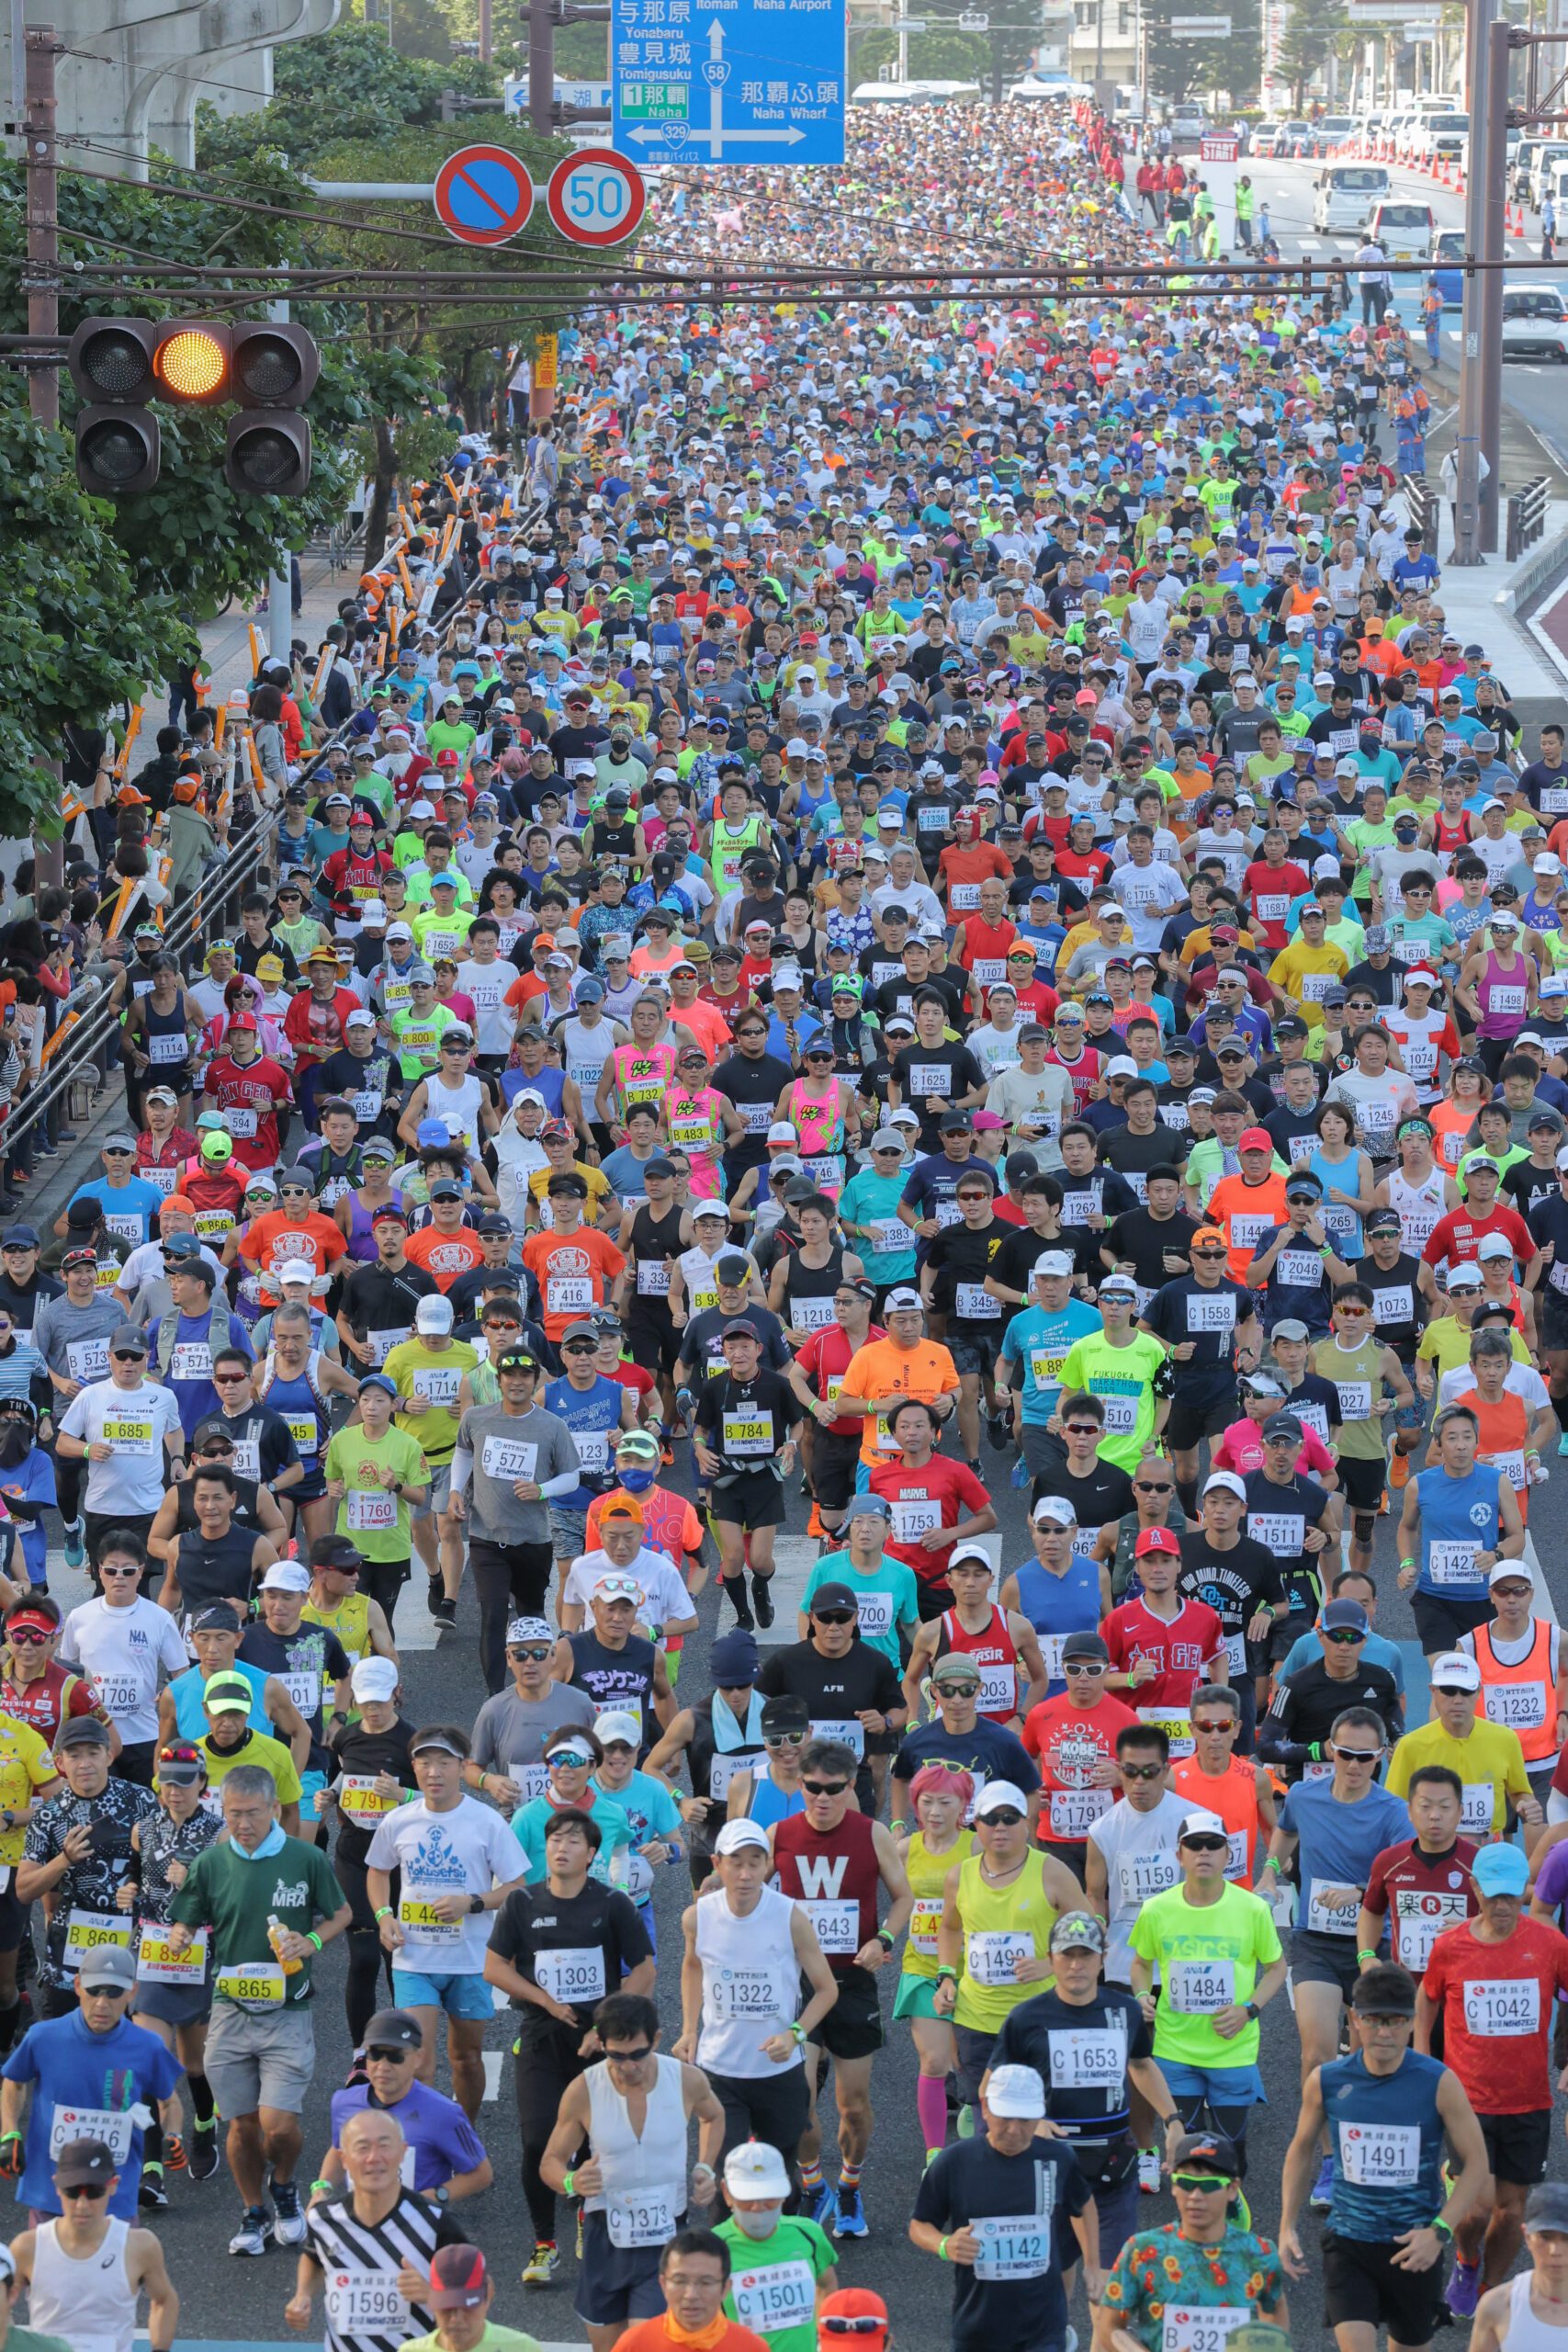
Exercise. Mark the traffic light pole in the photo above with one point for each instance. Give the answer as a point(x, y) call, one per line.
point(281, 587)
point(41, 196)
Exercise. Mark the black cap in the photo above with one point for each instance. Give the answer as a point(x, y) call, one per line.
point(832, 1596)
point(1209, 2148)
point(393, 2028)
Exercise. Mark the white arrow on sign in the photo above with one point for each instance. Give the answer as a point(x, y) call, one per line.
point(712, 135)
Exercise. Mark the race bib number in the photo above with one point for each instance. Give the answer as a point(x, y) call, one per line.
point(890, 1234)
point(991, 1954)
point(1144, 1876)
point(1300, 1269)
point(113, 2125)
point(307, 1435)
point(359, 1799)
point(569, 1294)
point(913, 1517)
point(928, 1078)
point(1355, 1399)
point(1013, 2247)
point(1246, 1232)
point(875, 1611)
point(417, 1916)
point(436, 1384)
point(1520, 1705)
point(1502, 2006)
point(1451, 1560)
point(811, 1314)
point(121, 1694)
point(837, 1924)
point(749, 1436)
point(1210, 1313)
point(258, 1987)
point(574, 1974)
point(372, 1508)
point(1421, 1919)
point(1326, 1917)
point(645, 2218)
point(1282, 1532)
point(190, 1360)
point(975, 1304)
point(1477, 1807)
point(1087, 2058)
point(722, 1770)
point(1045, 1366)
point(90, 1931)
point(1188, 2330)
point(1121, 1415)
point(381, 1343)
point(1073, 1811)
point(1380, 2155)
point(128, 1435)
point(304, 1686)
point(770, 2301)
point(364, 2302)
point(508, 1457)
point(1177, 1730)
point(87, 1360)
point(1505, 999)
point(1200, 1988)
point(242, 1121)
point(652, 1278)
point(843, 1728)
point(999, 1689)
point(157, 1963)
point(749, 1996)
point(924, 1921)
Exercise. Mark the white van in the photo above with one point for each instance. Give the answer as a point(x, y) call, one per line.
point(1346, 194)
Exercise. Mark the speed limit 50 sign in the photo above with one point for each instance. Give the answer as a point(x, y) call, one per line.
point(596, 197)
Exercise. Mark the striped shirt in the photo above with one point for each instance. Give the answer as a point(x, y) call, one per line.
point(360, 2261)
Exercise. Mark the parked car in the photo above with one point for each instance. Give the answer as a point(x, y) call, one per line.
point(1295, 139)
point(1265, 139)
point(1331, 131)
point(1543, 175)
point(1448, 276)
point(1521, 164)
point(1450, 140)
point(1535, 324)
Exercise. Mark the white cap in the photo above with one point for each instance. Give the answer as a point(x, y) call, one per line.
point(1227, 1482)
point(433, 1314)
point(287, 1576)
point(1121, 1066)
point(782, 1132)
point(1055, 1507)
point(898, 1300)
point(1458, 1667)
point(1494, 1244)
point(297, 1269)
point(374, 1679)
point(1502, 1569)
point(1199, 1824)
point(616, 1725)
point(996, 1793)
point(736, 1835)
point(755, 2172)
point(1050, 1262)
point(1016, 2091)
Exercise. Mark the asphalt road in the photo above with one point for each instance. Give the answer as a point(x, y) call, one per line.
point(231, 2301)
point(1533, 390)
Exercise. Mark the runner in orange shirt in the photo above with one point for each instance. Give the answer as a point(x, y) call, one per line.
point(295, 1229)
point(574, 1264)
point(1246, 1205)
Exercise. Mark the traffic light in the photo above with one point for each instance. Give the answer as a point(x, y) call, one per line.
point(119, 366)
point(272, 369)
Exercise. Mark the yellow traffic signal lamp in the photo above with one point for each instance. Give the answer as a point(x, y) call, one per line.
point(118, 366)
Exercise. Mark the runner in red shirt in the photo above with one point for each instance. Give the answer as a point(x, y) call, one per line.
point(1072, 1740)
point(1160, 1650)
point(928, 1495)
point(1456, 1238)
point(37, 1689)
point(1424, 1880)
point(250, 1089)
point(815, 1376)
point(446, 1248)
point(1494, 1983)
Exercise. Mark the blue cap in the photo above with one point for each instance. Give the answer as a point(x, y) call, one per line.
point(19, 1237)
point(1501, 1870)
point(378, 1380)
point(589, 992)
point(431, 1131)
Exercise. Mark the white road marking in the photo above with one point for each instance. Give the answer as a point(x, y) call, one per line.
point(795, 1556)
point(495, 2059)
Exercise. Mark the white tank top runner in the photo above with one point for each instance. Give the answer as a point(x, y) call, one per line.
point(1525, 2332)
point(88, 2302)
point(750, 1984)
point(1420, 1208)
point(645, 2177)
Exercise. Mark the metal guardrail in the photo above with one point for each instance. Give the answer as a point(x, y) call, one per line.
point(1426, 506)
point(199, 918)
point(1527, 516)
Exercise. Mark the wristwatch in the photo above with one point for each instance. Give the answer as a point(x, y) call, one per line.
point(1253, 2012)
point(476, 1903)
point(1441, 2228)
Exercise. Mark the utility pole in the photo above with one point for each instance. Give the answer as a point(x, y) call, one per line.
point(280, 584)
point(541, 67)
point(485, 39)
point(1469, 540)
point(41, 198)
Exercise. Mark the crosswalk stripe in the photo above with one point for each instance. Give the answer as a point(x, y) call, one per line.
point(493, 2059)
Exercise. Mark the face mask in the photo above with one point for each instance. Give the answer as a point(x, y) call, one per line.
point(16, 1444)
point(761, 2221)
point(637, 1482)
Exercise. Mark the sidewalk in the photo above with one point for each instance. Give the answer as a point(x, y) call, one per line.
point(226, 642)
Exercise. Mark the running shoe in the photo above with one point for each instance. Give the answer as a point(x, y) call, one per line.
point(289, 2213)
point(822, 2206)
point(852, 2221)
point(998, 1431)
point(1322, 2187)
point(255, 2233)
point(1463, 2290)
point(1148, 2171)
point(540, 2268)
point(204, 2151)
point(151, 2195)
point(175, 2159)
point(444, 1612)
point(762, 1599)
point(76, 1544)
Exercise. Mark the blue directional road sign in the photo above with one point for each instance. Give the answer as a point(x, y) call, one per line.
point(730, 81)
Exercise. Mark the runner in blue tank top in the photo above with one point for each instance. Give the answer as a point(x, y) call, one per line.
point(1388, 2112)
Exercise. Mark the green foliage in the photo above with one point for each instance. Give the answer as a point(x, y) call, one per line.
point(83, 630)
point(1314, 32)
point(1182, 69)
point(375, 91)
point(945, 56)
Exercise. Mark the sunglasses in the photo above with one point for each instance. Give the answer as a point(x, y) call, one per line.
point(1140, 1771)
point(1207, 1844)
point(233, 1372)
point(129, 1569)
point(825, 1788)
point(1005, 1817)
point(571, 1758)
point(117, 1151)
point(866, 2323)
point(1217, 1724)
point(1201, 2184)
point(391, 2057)
point(29, 1640)
point(834, 1616)
point(629, 2057)
point(1345, 1637)
point(1358, 1755)
point(1081, 1429)
point(1150, 1487)
point(91, 2190)
point(1094, 1667)
point(536, 1651)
